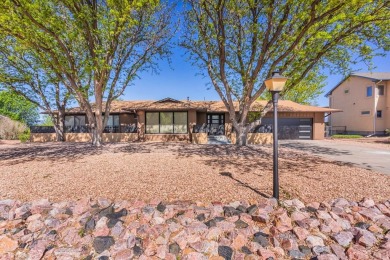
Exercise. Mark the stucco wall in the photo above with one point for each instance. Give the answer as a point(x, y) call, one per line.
point(41, 137)
point(199, 138)
point(166, 137)
point(356, 101)
point(255, 138)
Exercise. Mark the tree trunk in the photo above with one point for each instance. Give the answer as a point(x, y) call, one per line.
point(241, 134)
point(97, 130)
point(59, 124)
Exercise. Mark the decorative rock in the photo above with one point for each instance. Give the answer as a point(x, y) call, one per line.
point(368, 203)
point(296, 254)
point(240, 224)
point(246, 250)
point(137, 251)
point(340, 202)
point(327, 257)
point(357, 252)
point(301, 233)
point(318, 250)
point(266, 254)
point(239, 241)
point(313, 241)
point(226, 252)
point(124, 254)
point(261, 238)
point(102, 243)
point(261, 217)
point(174, 249)
point(252, 209)
point(339, 251)
point(365, 238)
point(305, 250)
point(161, 207)
point(7, 244)
point(283, 222)
point(67, 253)
point(38, 248)
point(230, 211)
point(344, 238)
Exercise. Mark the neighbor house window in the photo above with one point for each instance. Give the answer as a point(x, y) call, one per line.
point(379, 114)
point(346, 91)
point(166, 123)
point(74, 121)
point(381, 90)
point(365, 113)
point(75, 124)
point(369, 91)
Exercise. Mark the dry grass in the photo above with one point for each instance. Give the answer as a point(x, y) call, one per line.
point(176, 172)
point(373, 142)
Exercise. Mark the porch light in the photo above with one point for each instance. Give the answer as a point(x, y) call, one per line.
point(275, 84)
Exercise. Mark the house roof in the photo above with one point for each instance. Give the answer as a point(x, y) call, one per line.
point(374, 76)
point(209, 106)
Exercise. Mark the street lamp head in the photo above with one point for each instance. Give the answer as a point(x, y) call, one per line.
point(276, 83)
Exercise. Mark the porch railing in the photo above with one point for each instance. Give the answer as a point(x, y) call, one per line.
point(42, 129)
point(125, 128)
point(212, 129)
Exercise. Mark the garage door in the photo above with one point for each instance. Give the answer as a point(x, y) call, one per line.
point(293, 128)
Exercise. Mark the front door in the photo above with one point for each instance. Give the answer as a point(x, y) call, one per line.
point(216, 124)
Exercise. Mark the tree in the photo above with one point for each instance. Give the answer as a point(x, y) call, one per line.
point(240, 43)
point(18, 108)
point(94, 46)
point(25, 74)
point(305, 92)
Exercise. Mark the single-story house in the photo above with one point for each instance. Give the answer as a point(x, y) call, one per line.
point(192, 121)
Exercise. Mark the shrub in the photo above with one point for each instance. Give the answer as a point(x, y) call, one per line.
point(11, 129)
point(25, 136)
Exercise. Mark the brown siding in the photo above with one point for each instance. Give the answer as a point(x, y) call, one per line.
point(318, 126)
point(201, 118)
point(127, 119)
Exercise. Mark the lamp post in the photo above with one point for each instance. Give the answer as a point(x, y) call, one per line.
point(275, 84)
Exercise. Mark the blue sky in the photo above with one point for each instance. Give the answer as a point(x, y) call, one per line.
point(179, 80)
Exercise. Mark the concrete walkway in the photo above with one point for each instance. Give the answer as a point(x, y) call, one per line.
point(358, 154)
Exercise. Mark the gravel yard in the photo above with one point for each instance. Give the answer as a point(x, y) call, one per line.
point(173, 172)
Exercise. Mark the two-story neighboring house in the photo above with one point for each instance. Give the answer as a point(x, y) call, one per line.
point(364, 99)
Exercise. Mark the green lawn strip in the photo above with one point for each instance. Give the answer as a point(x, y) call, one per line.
point(347, 136)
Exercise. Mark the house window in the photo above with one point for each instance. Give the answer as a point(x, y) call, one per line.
point(113, 120)
point(379, 114)
point(346, 91)
point(381, 90)
point(365, 113)
point(75, 124)
point(166, 123)
point(369, 91)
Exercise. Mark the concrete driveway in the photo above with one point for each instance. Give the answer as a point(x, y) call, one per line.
point(358, 154)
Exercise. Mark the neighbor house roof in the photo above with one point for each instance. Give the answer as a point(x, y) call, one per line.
point(169, 104)
point(374, 76)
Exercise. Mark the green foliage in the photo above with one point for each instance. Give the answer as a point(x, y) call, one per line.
point(47, 121)
point(239, 43)
point(18, 108)
point(90, 47)
point(25, 136)
point(347, 136)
